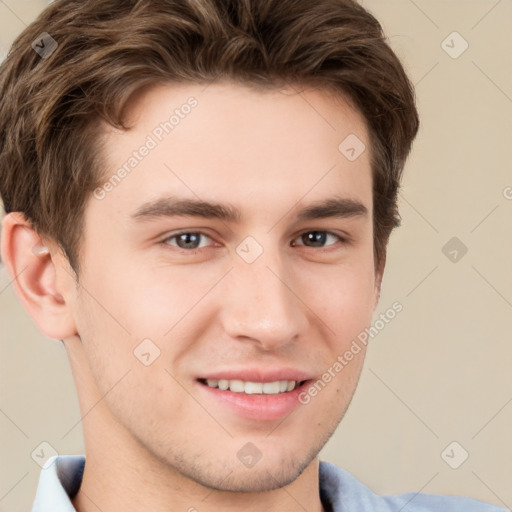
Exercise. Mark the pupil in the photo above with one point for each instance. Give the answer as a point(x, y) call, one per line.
point(186, 238)
point(316, 237)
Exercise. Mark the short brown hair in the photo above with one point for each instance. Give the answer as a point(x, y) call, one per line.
point(109, 49)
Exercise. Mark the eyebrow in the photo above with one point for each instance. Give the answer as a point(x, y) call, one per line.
point(338, 207)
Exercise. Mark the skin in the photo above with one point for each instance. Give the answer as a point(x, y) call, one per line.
point(153, 440)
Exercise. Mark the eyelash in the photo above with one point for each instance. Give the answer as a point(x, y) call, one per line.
point(164, 242)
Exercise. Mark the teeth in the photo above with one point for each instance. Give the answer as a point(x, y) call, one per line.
point(237, 386)
point(251, 388)
point(271, 388)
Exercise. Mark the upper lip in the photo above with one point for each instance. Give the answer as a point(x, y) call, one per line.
point(260, 375)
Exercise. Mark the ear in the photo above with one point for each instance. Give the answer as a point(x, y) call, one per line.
point(33, 266)
point(379, 273)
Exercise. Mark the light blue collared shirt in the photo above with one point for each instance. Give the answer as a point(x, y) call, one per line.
point(340, 491)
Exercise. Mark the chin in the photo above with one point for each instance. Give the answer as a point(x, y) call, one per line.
point(264, 476)
point(256, 480)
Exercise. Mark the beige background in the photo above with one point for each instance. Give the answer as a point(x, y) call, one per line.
point(440, 371)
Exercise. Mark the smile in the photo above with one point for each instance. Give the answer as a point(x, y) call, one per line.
point(252, 388)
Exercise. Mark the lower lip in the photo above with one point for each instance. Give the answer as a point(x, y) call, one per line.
point(257, 407)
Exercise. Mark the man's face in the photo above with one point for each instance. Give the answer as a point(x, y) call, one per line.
point(269, 296)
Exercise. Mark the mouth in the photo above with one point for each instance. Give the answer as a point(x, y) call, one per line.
point(276, 387)
point(255, 395)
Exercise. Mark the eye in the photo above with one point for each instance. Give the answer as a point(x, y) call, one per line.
point(187, 240)
point(318, 238)
point(192, 241)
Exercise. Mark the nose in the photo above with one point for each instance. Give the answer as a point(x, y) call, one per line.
point(259, 303)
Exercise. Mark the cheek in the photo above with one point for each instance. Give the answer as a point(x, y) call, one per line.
point(344, 300)
point(105, 339)
point(154, 295)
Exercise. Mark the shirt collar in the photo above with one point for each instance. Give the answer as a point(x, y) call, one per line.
point(59, 482)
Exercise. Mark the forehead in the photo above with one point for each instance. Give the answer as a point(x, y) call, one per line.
point(229, 141)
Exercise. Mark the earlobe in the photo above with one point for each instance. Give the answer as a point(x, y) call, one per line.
point(33, 269)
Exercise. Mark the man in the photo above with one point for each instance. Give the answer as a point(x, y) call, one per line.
point(198, 197)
